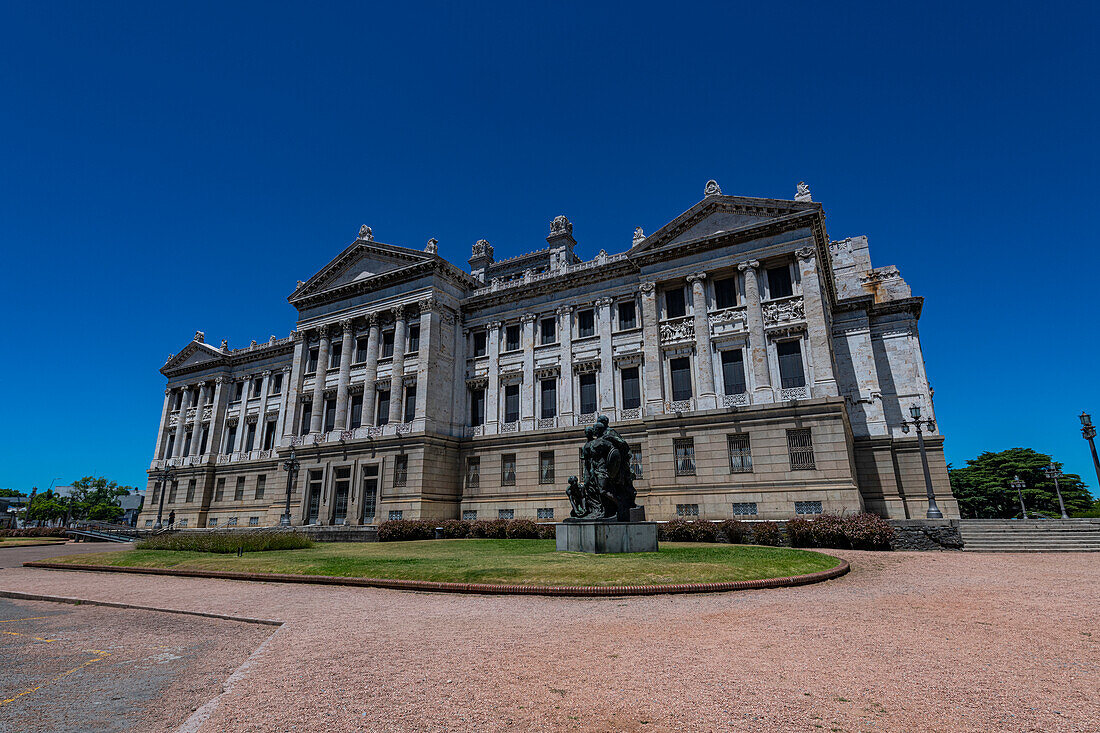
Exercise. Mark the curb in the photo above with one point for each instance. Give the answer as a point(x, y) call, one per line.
point(21, 596)
point(582, 591)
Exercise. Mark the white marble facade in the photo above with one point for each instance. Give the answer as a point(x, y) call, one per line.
point(413, 388)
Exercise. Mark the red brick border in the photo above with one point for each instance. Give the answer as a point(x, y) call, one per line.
point(586, 591)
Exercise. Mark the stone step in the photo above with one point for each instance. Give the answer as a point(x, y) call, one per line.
point(1031, 549)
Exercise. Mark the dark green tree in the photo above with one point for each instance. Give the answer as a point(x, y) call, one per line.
point(10, 493)
point(983, 489)
point(46, 507)
point(94, 497)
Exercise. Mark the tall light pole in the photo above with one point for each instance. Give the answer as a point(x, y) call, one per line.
point(914, 412)
point(164, 475)
point(1088, 432)
point(291, 465)
point(1018, 484)
point(1053, 472)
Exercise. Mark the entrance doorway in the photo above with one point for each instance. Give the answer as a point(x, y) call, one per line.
point(370, 492)
point(314, 494)
point(340, 495)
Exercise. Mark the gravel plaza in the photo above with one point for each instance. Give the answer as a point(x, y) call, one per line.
point(905, 642)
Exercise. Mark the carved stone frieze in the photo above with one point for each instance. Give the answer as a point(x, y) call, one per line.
point(783, 311)
point(675, 331)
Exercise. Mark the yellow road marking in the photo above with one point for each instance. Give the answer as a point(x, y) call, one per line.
point(55, 679)
point(16, 633)
point(30, 618)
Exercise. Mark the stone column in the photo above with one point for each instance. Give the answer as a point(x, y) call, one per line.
point(492, 392)
point(565, 377)
point(607, 366)
point(196, 431)
point(217, 417)
point(428, 357)
point(651, 350)
point(527, 389)
point(284, 408)
point(181, 426)
point(758, 343)
point(261, 421)
point(347, 346)
point(317, 417)
point(289, 418)
point(704, 367)
point(370, 391)
point(242, 421)
point(821, 355)
point(164, 413)
point(397, 376)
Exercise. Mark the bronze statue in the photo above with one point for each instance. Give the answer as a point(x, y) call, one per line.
point(605, 491)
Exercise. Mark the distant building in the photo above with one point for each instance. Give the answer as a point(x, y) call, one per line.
point(131, 507)
point(758, 370)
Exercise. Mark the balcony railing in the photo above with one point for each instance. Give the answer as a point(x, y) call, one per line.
point(735, 400)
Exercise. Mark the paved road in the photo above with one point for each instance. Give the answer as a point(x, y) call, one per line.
point(13, 557)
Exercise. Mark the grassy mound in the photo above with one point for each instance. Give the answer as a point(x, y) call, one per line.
point(226, 542)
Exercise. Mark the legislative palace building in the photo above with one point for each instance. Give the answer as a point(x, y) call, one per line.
point(757, 369)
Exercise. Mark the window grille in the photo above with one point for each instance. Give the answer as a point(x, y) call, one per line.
point(545, 513)
point(508, 469)
point(740, 453)
point(636, 463)
point(368, 503)
point(687, 510)
point(546, 467)
point(807, 507)
point(396, 514)
point(685, 456)
point(232, 522)
point(400, 470)
point(744, 508)
point(800, 447)
point(473, 473)
point(253, 521)
point(182, 523)
point(470, 515)
point(506, 513)
point(148, 522)
point(212, 522)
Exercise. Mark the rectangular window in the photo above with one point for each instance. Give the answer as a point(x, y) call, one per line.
point(675, 306)
point(473, 472)
point(212, 522)
point(257, 386)
point(172, 491)
point(545, 513)
point(477, 407)
point(370, 496)
point(253, 521)
point(148, 522)
point(219, 489)
point(628, 316)
point(202, 441)
point(790, 364)
point(232, 522)
point(684, 449)
point(470, 515)
point(548, 390)
point(183, 523)
point(171, 445)
point(311, 361)
point(480, 340)
point(400, 470)
point(261, 485)
point(414, 339)
point(341, 491)
point(739, 452)
point(330, 414)
point(334, 355)
point(307, 418)
point(250, 437)
point(779, 282)
point(680, 371)
point(508, 469)
point(190, 496)
point(800, 447)
point(313, 493)
point(687, 510)
point(744, 508)
point(277, 383)
point(725, 293)
point(506, 513)
point(410, 403)
point(586, 324)
point(636, 463)
point(588, 393)
point(387, 344)
point(511, 403)
point(356, 419)
point(269, 435)
point(396, 515)
point(511, 338)
point(238, 492)
point(186, 445)
point(238, 391)
point(383, 417)
point(362, 346)
point(807, 507)
point(632, 388)
point(546, 467)
point(733, 371)
point(547, 331)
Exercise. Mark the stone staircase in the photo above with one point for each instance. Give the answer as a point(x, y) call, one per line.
point(1031, 535)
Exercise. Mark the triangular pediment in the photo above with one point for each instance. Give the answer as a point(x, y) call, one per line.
point(194, 354)
point(719, 214)
point(361, 261)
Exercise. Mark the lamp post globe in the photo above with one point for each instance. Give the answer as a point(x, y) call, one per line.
point(1054, 473)
point(914, 412)
point(1018, 484)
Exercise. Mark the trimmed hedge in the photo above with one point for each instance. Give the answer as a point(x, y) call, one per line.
point(864, 531)
point(731, 530)
point(34, 532)
point(766, 533)
point(227, 542)
point(402, 530)
point(868, 531)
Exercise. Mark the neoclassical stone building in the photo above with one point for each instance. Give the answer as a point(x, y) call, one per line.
point(759, 370)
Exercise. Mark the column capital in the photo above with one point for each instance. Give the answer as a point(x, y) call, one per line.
point(647, 288)
point(494, 325)
point(168, 390)
point(528, 318)
point(428, 305)
point(347, 326)
point(219, 381)
point(806, 253)
point(564, 310)
point(201, 384)
point(750, 265)
point(285, 370)
point(266, 373)
point(696, 277)
point(373, 319)
point(601, 302)
point(398, 311)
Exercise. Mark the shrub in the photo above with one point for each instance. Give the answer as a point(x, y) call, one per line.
point(402, 530)
point(455, 529)
point(547, 531)
point(521, 529)
point(674, 530)
point(766, 533)
point(492, 529)
point(867, 531)
point(828, 531)
point(800, 532)
point(703, 531)
point(225, 542)
point(731, 530)
point(34, 532)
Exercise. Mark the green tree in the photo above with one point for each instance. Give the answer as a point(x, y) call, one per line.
point(10, 493)
point(94, 497)
point(983, 489)
point(46, 507)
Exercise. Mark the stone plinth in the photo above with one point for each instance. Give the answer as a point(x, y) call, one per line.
point(606, 537)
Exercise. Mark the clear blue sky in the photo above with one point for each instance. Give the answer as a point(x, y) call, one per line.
point(173, 167)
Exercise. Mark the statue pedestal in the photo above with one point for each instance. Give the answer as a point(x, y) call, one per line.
point(606, 537)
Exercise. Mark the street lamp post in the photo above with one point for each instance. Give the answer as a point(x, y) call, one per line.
point(914, 411)
point(1055, 473)
point(164, 475)
point(291, 465)
point(1018, 484)
point(1088, 432)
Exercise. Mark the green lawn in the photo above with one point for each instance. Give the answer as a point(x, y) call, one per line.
point(529, 562)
